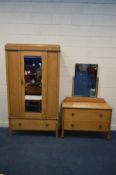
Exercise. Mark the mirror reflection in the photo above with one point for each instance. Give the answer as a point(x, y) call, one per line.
point(33, 83)
point(85, 80)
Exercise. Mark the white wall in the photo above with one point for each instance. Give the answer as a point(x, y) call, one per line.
point(86, 33)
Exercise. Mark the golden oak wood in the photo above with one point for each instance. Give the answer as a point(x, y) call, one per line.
point(53, 83)
point(84, 99)
point(86, 114)
point(38, 125)
point(13, 81)
point(19, 119)
point(86, 126)
point(33, 47)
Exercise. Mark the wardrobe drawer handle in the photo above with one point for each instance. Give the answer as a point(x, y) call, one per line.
point(100, 126)
point(73, 114)
point(20, 124)
point(101, 115)
point(72, 125)
point(47, 125)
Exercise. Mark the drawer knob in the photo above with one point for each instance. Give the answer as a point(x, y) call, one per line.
point(47, 125)
point(73, 114)
point(20, 124)
point(101, 115)
point(72, 125)
point(100, 126)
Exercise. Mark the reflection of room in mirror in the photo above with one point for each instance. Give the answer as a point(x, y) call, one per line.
point(33, 105)
point(33, 68)
point(33, 87)
point(85, 80)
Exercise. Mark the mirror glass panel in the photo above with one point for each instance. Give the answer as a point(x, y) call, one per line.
point(33, 83)
point(85, 80)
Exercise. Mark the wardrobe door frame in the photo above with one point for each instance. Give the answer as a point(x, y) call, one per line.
point(34, 115)
point(13, 85)
point(53, 85)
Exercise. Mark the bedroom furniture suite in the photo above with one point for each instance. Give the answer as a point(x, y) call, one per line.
point(33, 86)
point(33, 92)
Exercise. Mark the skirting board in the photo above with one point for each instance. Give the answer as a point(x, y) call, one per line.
point(3, 124)
point(113, 127)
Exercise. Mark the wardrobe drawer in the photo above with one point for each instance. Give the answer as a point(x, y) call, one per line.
point(17, 124)
point(86, 115)
point(86, 126)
